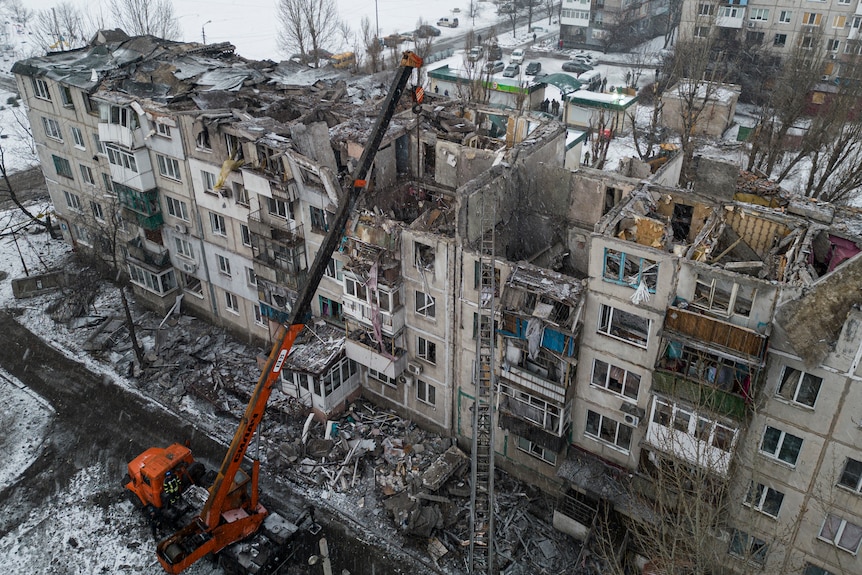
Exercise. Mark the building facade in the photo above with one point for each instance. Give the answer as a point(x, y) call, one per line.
point(636, 325)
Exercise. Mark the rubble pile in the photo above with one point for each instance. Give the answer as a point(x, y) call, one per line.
point(408, 484)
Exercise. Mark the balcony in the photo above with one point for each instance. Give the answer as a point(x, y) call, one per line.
point(149, 254)
point(537, 418)
point(278, 249)
point(362, 349)
point(706, 397)
point(142, 207)
point(741, 342)
point(391, 322)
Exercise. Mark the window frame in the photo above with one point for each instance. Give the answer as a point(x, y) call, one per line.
point(755, 549)
point(606, 323)
point(41, 89)
point(78, 138)
point(231, 302)
point(184, 248)
point(649, 278)
point(840, 531)
point(600, 428)
point(208, 181)
point(779, 445)
point(850, 474)
point(87, 174)
point(218, 224)
point(428, 306)
point(624, 385)
point(177, 208)
point(757, 497)
point(73, 201)
point(535, 450)
point(426, 393)
point(169, 167)
point(793, 398)
point(426, 350)
point(223, 264)
point(52, 129)
point(785, 16)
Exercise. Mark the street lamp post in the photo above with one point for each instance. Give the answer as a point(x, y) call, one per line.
point(203, 32)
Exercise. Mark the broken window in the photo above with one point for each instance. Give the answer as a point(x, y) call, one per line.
point(318, 220)
point(608, 430)
point(532, 408)
point(536, 450)
point(705, 367)
point(424, 255)
point(425, 305)
point(630, 270)
point(334, 269)
point(280, 208)
point(748, 547)
point(202, 140)
point(764, 499)
point(623, 325)
point(799, 387)
point(330, 308)
point(354, 288)
point(723, 297)
point(270, 160)
point(615, 379)
point(382, 377)
point(234, 147)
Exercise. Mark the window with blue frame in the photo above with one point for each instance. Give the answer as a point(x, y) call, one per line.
point(630, 270)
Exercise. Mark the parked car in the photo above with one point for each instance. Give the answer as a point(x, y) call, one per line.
point(426, 30)
point(493, 67)
point(475, 54)
point(448, 22)
point(576, 67)
point(511, 70)
point(495, 52)
point(518, 55)
point(585, 58)
point(396, 39)
point(533, 68)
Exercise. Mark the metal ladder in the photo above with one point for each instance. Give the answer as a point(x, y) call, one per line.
point(482, 468)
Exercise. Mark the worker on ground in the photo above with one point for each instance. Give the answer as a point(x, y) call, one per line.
point(155, 519)
point(172, 487)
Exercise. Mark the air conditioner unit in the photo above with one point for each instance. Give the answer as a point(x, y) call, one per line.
point(632, 420)
point(405, 379)
point(189, 268)
point(414, 368)
point(752, 25)
point(824, 78)
point(181, 229)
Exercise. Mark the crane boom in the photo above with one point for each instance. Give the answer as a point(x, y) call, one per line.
point(232, 511)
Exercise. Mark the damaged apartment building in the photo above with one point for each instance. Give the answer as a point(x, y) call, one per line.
point(633, 323)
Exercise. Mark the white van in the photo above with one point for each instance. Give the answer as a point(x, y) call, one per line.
point(591, 80)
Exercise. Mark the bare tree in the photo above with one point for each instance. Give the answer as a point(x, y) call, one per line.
point(321, 20)
point(474, 8)
point(551, 6)
point(8, 190)
point(673, 17)
point(20, 13)
point(373, 46)
point(306, 26)
point(60, 28)
point(142, 17)
point(531, 7)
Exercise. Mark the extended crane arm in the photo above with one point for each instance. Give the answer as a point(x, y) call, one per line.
point(207, 533)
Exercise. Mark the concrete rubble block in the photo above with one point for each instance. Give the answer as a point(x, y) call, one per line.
point(451, 462)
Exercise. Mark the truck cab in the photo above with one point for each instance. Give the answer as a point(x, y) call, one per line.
point(146, 473)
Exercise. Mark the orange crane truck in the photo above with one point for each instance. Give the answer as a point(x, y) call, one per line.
point(233, 511)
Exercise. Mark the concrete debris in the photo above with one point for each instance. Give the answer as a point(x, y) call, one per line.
point(409, 484)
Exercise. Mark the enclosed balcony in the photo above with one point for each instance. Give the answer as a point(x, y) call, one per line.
point(373, 307)
point(533, 416)
point(141, 207)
